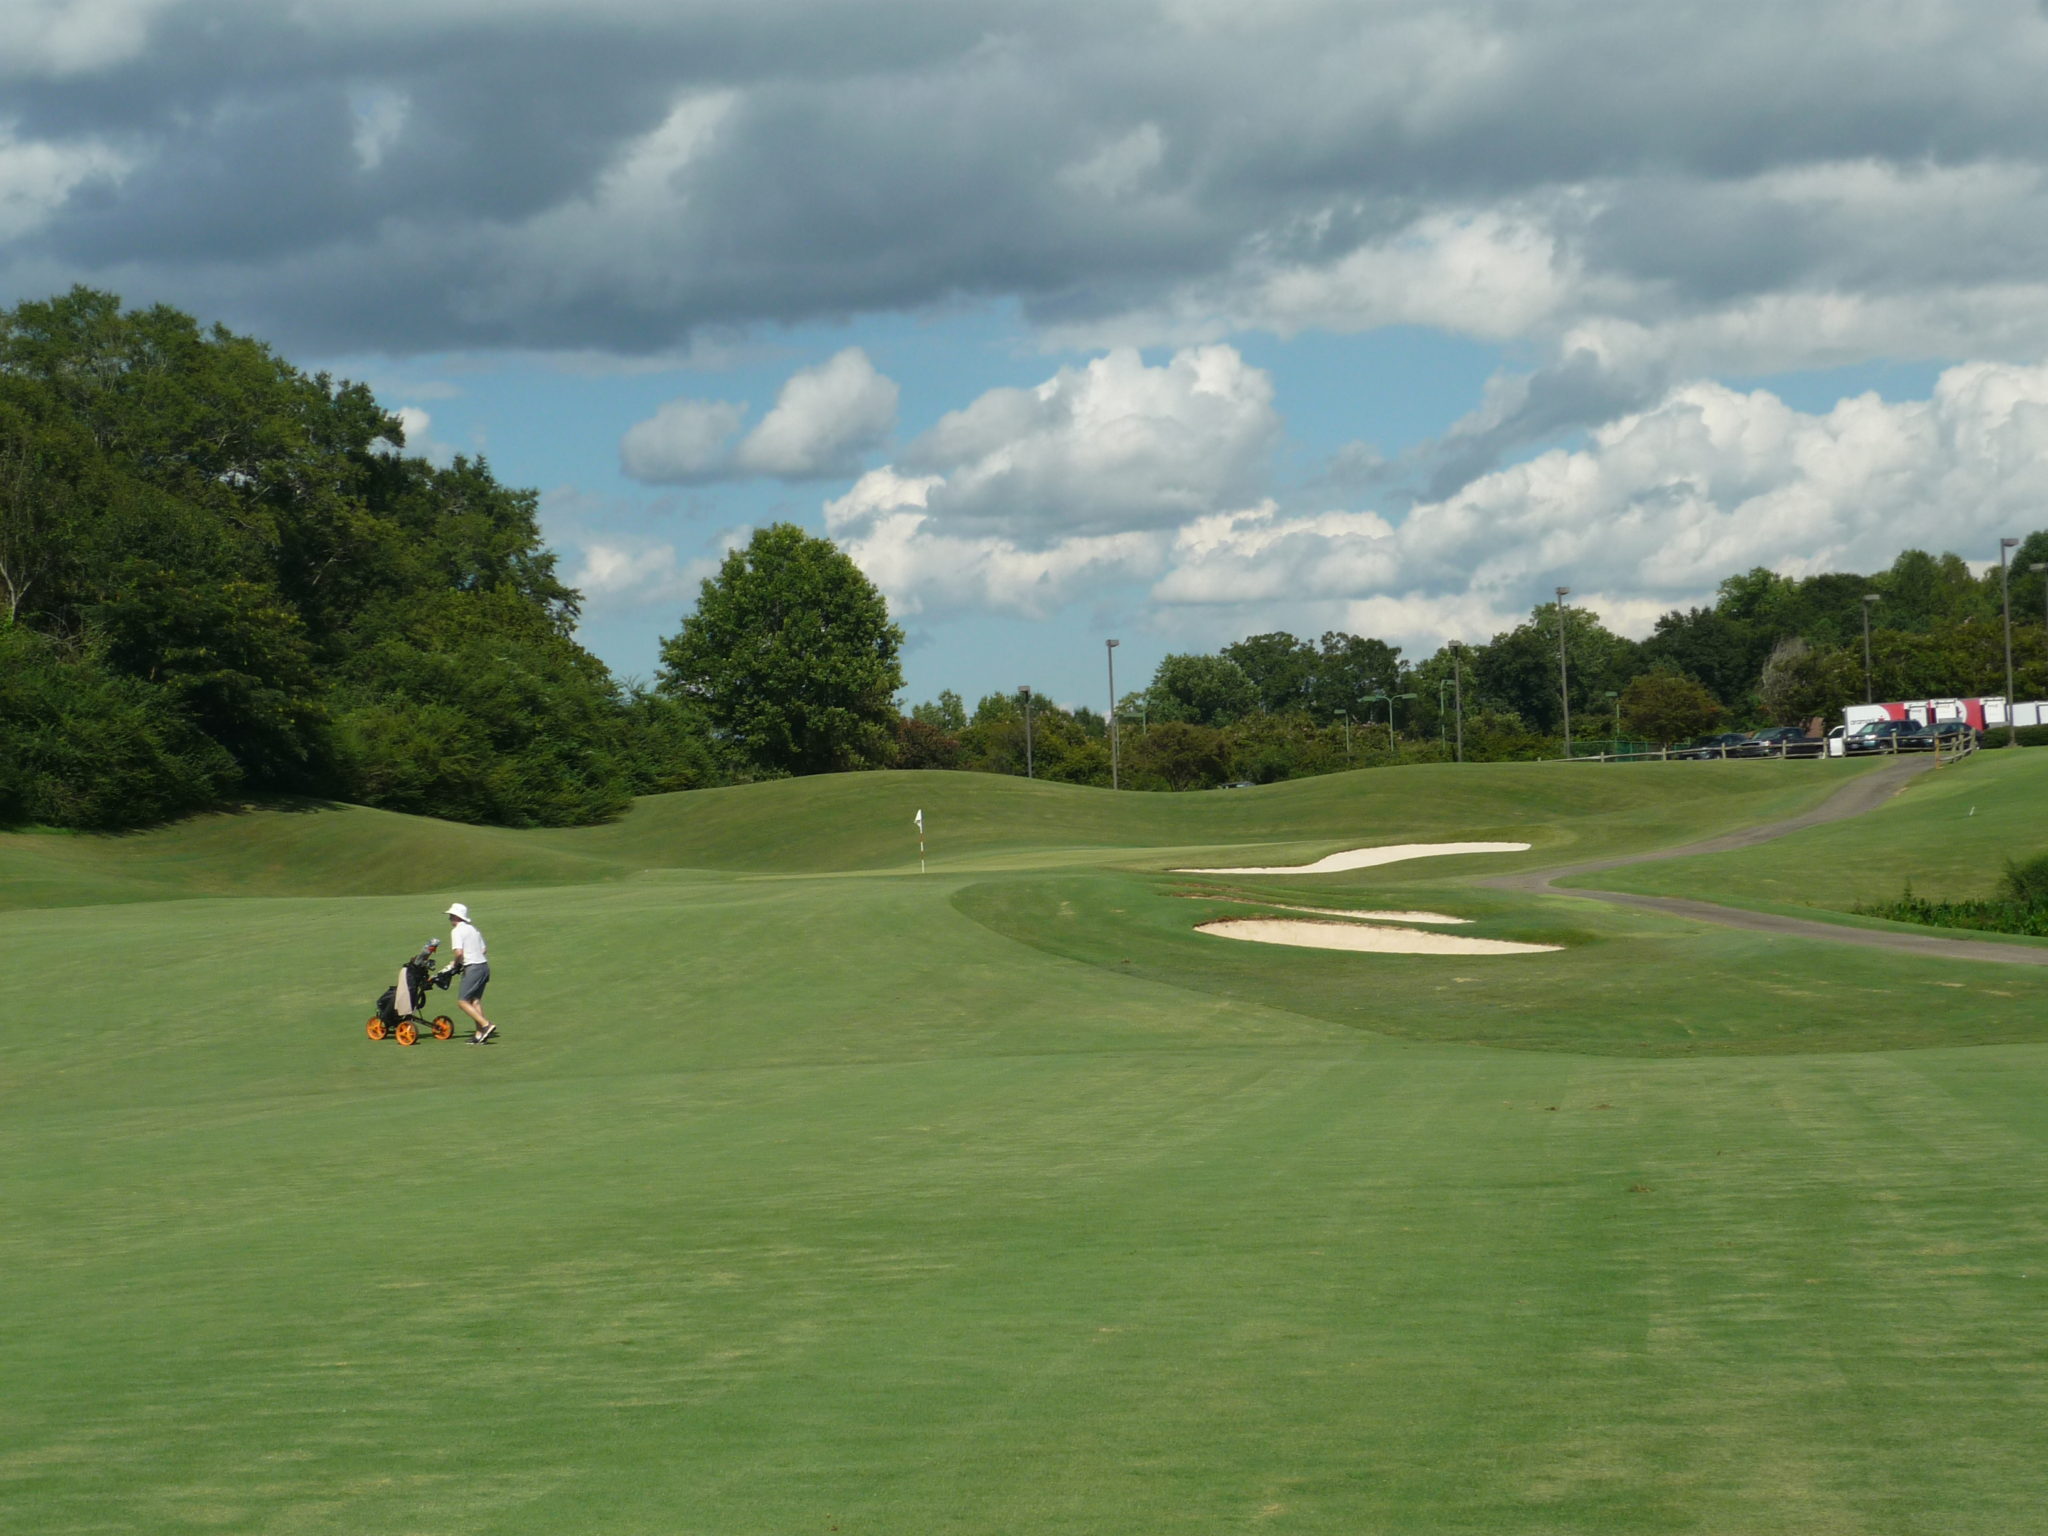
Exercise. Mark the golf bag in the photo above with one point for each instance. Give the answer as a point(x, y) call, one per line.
point(404, 999)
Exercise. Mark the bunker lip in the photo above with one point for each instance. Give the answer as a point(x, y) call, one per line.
point(1359, 937)
point(1364, 858)
point(1288, 906)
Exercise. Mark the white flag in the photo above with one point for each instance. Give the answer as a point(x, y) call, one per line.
point(920, 820)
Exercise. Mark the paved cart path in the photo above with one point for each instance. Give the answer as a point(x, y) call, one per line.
point(1863, 794)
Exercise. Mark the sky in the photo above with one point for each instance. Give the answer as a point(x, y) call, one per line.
point(1168, 322)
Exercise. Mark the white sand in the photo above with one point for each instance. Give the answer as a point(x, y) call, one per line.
point(1377, 917)
point(1364, 858)
point(1379, 941)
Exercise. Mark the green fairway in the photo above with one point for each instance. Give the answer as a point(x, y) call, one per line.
point(806, 1193)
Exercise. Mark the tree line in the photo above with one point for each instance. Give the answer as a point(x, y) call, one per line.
point(1770, 650)
point(222, 578)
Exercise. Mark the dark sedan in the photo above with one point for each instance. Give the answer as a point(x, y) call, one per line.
point(1948, 735)
point(1788, 741)
point(1878, 736)
point(1727, 744)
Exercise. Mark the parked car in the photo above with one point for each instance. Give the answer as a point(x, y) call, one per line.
point(1948, 735)
point(1877, 736)
point(1727, 744)
point(1788, 741)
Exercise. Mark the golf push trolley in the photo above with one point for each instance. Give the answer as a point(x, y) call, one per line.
point(400, 1010)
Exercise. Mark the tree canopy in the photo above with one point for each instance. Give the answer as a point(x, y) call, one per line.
point(235, 569)
point(792, 656)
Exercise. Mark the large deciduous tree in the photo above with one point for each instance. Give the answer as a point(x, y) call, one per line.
point(231, 573)
point(1200, 690)
point(1667, 707)
point(792, 656)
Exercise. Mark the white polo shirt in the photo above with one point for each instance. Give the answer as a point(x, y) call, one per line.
point(465, 941)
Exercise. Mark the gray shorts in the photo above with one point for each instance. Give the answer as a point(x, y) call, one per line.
point(474, 979)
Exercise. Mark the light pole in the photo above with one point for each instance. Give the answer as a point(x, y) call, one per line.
point(2012, 730)
point(1617, 719)
point(1028, 770)
point(1347, 733)
point(1868, 599)
point(1109, 649)
point(1564, 682)
point(1442, 725)
point(1392, 746)
point(1458, 691)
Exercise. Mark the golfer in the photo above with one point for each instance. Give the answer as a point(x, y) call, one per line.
point(472, 960)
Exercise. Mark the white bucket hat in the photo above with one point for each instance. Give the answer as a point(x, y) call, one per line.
point(458, 911)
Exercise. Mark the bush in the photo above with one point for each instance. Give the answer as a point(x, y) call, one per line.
point(2025, 883)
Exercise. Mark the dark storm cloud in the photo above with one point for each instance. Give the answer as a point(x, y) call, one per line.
point(441, 174)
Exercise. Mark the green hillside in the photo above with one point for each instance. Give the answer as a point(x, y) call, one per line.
point(862, 822)
point(803, 1193)
point(1949, 833)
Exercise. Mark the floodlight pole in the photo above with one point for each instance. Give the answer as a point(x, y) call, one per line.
point(1392, 745)
point(1347, 733)
point(1028, 771)
point(1458, 691)
point(1443, 726)
point(1868, 599)
point(1109, 649)
point(1617, 719)
point(2012, 730)
point(1564, 682)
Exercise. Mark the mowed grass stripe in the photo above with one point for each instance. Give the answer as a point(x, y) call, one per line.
point(1322, 1283)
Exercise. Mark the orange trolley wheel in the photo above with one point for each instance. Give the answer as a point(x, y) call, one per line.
point(374, 1029)
point(407, 1033)
point(444, 1028)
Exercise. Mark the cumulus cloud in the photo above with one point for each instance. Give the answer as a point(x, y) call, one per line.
point(685, 442)
point(623, 572)
point(825, 420)
point(1026, 496)
point(1655, 510)
point(1107, 447)
point(886, 526)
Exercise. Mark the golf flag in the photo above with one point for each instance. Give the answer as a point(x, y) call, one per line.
point(920, 840)
point(920, 822)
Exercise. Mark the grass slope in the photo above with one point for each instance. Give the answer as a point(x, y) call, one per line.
point(863, 1202)
point(1949, 832)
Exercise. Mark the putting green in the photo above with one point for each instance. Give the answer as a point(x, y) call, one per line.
point(806, 1193)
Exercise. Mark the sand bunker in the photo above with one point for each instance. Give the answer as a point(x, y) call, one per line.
point(1376, 917)
point(1356, 936)
point(1364, 858)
